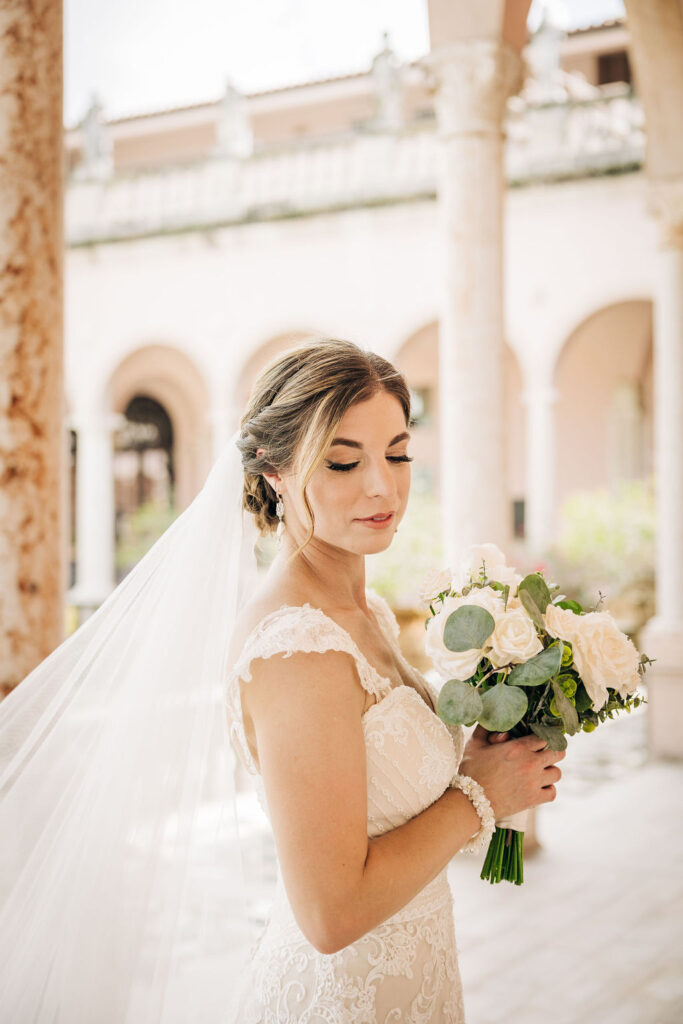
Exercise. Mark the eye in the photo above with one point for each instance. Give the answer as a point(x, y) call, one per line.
point(400, 458)
point(342, 467)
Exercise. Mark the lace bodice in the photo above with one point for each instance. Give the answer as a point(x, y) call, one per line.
point(406, 968)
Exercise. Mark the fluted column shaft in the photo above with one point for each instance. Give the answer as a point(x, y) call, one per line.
point(473, 81)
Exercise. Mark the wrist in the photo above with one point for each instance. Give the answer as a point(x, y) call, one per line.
point(468, 820)
point(483, 810)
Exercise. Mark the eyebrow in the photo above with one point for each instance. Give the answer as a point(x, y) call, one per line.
point(356, 444)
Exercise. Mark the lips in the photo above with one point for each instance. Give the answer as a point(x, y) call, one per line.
point(378, 516)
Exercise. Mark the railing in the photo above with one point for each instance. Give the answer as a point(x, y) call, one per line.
point(574, 139)
point(560, 140)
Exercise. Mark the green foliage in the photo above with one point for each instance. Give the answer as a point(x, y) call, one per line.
point(535, 588)
point(564, 708)
point(459, 703)
point(538, 669)
point(139, 530)
point(606, 541)
point(468, 628)
point(502, 707)
point(552, 734)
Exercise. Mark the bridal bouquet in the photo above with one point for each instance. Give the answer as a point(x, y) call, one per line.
point(520, 658)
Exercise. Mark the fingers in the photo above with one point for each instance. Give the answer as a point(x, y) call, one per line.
point(480, 734)
point(549, 793)
point(498, 737)
point(552, 756)
point(533, 741)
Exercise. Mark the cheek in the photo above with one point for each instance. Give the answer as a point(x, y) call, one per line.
point(330, 495)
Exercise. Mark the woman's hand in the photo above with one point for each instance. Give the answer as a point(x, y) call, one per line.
point(515, 774)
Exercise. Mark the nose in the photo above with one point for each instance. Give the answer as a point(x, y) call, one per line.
point(380, 481)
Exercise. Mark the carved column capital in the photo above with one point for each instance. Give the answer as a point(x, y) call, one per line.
point(472, 81)
point(665, 202)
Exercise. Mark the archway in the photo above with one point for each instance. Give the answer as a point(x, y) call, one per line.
point(259, 358)
point(168, 377)
point(603, 379)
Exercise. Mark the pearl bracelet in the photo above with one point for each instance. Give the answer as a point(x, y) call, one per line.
point(482, 806)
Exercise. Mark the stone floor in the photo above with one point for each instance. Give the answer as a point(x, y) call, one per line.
point(595, 933)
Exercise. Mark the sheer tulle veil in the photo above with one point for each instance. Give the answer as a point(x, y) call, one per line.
point(122, 895)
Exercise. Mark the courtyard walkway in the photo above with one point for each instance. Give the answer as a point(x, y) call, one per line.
point(595, 933)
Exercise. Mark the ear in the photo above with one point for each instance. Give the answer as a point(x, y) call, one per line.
point(274, 479)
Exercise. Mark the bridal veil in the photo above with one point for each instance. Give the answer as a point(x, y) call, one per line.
point(122, 892)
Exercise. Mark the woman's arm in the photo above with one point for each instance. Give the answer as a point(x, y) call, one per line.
point(306, 711)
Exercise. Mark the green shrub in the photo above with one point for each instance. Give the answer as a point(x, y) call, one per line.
point(606, 542)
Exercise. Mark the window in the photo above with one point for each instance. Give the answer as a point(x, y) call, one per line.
point(613, 67)
point(518, 518)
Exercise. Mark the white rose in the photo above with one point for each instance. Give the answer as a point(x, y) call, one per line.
point(434, 583)
point(488, 598)
point(496, 566)
point(450, 664)
point(505, 574)
point(514, 640)
point(476, 555)
point(603, 655)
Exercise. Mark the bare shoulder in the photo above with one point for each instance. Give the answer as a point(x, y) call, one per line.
point(266, 601)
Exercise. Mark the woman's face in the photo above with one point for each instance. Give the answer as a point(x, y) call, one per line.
point(365, 472)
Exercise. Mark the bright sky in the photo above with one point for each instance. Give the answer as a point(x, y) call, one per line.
point(143, 55)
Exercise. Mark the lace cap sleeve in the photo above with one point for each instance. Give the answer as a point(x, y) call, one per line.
point(285, 631)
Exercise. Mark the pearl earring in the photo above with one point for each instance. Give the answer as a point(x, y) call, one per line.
point(280, 512)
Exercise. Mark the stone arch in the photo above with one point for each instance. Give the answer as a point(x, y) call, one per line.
point(603, 377)
point(417, 357)
point(172, 379)
point(260, 357)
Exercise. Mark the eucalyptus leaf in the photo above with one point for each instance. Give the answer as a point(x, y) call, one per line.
point(532, 609)
point(458, 703)
point(468, 628)
point(537, 588)
point(570, 718)
point(571, 606)
point(538, 669)
point(503, 706)
point(553, 735)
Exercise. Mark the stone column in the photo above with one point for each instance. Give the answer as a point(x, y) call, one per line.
point(540, 526)
point(95, 577)
point(662, 637)
point(473, 80)
point(32, 439)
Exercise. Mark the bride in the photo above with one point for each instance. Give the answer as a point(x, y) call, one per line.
point(354, 765)
point(121, 867)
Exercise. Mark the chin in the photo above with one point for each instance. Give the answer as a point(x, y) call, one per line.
point(380, 542)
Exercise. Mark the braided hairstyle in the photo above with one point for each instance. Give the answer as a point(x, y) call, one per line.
point(293, 412)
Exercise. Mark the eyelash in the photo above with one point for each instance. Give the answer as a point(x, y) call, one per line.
point(344, 467)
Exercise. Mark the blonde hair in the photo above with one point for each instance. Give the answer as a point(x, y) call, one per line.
point(293, 412)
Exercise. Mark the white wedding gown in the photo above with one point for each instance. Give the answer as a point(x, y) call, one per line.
point(405, 969)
